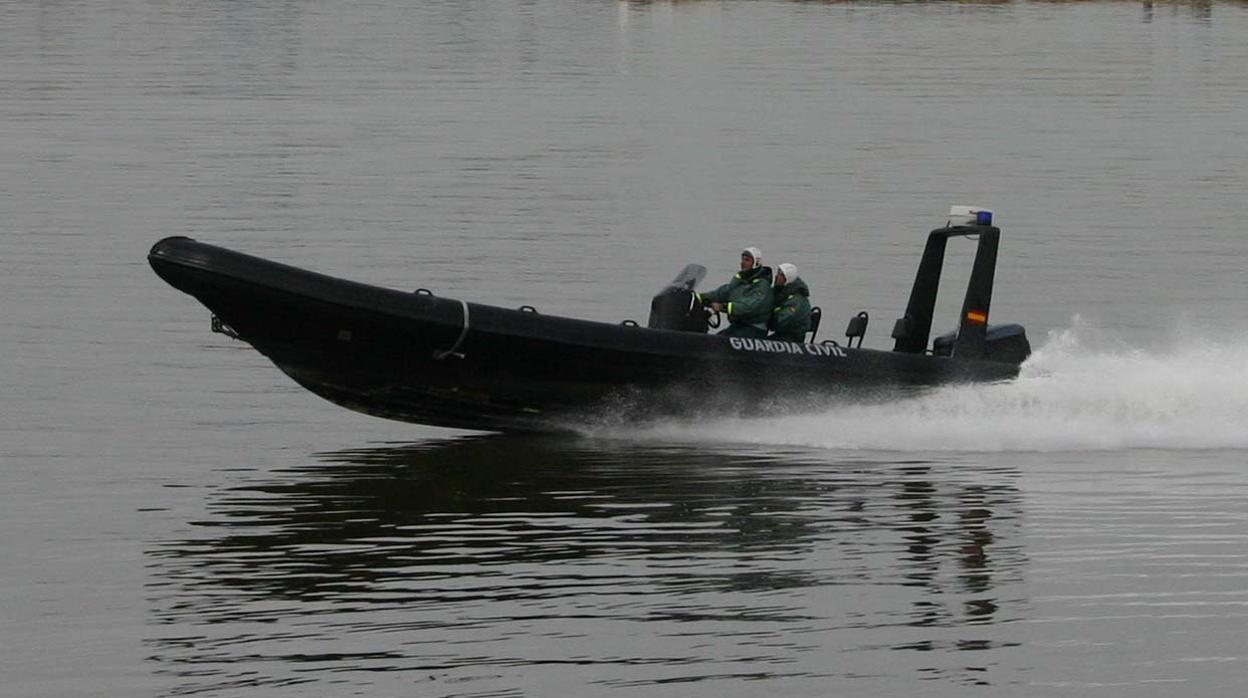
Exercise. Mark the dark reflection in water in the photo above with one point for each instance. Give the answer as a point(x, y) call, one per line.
point(471, 564)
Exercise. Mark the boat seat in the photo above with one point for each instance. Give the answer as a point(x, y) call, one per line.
point(857, 327)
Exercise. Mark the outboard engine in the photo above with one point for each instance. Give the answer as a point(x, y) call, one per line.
point(1003, 343)
point(676, 307)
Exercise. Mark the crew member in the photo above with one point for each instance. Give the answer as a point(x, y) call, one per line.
point(746, 298)
point(790, 318)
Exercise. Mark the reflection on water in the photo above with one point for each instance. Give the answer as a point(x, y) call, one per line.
point(637, 564)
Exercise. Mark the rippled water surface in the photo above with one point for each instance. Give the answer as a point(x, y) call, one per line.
point(179, 519)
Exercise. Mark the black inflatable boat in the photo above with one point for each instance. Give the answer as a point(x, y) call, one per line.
point(421, 358)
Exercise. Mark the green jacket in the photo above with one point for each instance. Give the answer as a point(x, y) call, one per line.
point(790, 319)
point(747, 297)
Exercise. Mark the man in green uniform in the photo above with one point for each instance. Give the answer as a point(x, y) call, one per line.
point(790, 319)
point(746, 298)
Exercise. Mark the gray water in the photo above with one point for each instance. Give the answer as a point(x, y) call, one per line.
point(177, 518)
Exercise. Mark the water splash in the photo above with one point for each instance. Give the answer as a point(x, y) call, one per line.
point(1080, 391)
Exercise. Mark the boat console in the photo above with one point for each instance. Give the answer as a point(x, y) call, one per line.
point(676, 306)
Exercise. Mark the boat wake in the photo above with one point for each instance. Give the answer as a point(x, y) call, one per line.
point(1077, 392)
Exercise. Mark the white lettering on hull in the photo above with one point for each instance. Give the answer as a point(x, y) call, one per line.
point(773, 346)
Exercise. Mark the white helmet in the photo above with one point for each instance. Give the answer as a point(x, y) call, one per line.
point(755, 254)
point(789, 271)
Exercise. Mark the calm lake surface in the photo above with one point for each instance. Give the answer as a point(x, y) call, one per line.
point(178, 518)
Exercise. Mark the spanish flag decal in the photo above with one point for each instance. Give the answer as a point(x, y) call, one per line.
point(976, 316)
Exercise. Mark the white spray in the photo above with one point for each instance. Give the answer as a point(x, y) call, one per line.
point(1069, 397)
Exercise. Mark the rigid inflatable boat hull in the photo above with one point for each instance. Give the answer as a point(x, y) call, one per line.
point(408, 356)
